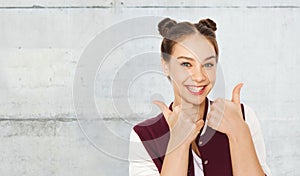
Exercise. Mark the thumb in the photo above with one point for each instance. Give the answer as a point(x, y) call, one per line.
point(236, 93)
point(163, 107)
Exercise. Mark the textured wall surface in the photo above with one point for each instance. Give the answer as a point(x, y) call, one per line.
point(72, 82)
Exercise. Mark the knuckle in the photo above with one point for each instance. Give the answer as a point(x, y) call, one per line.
point(177, 109)
point(218, 100)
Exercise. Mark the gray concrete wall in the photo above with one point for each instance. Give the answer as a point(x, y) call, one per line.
point(68, 98)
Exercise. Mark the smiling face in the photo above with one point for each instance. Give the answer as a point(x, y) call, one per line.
point(192, 69)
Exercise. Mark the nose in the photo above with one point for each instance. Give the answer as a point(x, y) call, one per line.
point(198, 74)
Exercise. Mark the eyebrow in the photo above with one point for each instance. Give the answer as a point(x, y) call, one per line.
point(192, 59)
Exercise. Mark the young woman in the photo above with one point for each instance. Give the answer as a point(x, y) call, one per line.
point(193, 135)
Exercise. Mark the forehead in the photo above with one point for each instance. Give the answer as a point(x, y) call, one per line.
point(194, 46)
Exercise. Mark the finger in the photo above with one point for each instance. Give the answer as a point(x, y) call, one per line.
point(208, 116)
point(177, 109)
point(218, 107)
point(211, 116)
point(216, 103)
point(219, 100)
point(236, 93)
point(200, 123)
point(163, 107)
point(211, 123)
point(213, 120)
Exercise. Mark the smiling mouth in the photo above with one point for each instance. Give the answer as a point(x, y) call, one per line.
point(196, 90)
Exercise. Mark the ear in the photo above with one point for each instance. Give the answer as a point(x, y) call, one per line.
point(165, 67)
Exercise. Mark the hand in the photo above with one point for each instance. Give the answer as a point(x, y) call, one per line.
point(225, 115)
point(184, 123)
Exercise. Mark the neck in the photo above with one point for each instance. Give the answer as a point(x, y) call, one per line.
point(198, 107)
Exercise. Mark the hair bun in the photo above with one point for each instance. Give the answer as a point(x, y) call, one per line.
point(208, 23)
point(165, 25)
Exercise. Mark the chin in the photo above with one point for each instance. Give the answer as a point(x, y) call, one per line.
point(199, 101)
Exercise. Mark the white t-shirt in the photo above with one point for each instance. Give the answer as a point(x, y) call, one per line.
point(141, 164)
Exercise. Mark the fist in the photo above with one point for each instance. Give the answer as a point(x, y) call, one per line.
point(226, 115)
point(184, 123)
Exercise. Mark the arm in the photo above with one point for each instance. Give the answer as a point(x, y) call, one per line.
point(140, 163)
point(176, 161)
point(184, 124)
point(257, 138)
point(243, 155)
point(226, 117)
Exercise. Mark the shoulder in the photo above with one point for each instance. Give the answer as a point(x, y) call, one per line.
point(249, 112)
point(257, 137)
point(152, 128)
point(252, 120)
point(140, 162)
point(151, 121)
point(153, 135)
point(250, 116)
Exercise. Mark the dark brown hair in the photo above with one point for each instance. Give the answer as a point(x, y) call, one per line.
point(173, 32)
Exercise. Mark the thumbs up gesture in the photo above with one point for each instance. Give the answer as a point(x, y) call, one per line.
point(184, 123)
point(226, 115)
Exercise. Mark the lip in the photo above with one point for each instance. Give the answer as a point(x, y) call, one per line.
point(196, 93)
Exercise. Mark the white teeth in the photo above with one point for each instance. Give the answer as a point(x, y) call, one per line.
point(194, 89)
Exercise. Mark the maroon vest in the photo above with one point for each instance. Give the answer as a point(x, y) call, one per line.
point(213, 145)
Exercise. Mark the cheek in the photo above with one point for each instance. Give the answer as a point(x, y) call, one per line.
point(179, 74)
point(179, 77)
point(211, 74)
